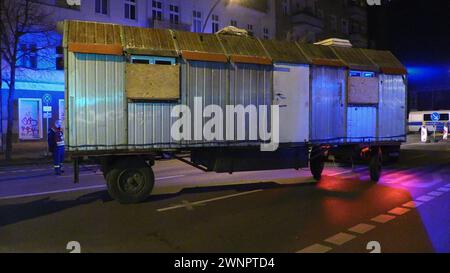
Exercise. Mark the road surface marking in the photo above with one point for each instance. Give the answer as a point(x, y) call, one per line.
point(383, 218)
point(316, 248)
point(81, 175)
point(345, 172)
point(425, 198)
point(52, 192)
point(444, 189)
point(361, 228)
point(412, 204)
point(435, 193)
point(398, 211)
point(190, 206)
point(208, 200)
point(169, 177)
point(340, 238)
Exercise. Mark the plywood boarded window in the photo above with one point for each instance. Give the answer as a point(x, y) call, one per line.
point(363, 90)
point(152, 82)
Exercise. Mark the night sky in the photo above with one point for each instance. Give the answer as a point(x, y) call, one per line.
point(418, 33)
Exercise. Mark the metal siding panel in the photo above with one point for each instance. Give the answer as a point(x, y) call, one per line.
point(392, 108)
point(327, 104)
point(96, 108)
point(361, 124)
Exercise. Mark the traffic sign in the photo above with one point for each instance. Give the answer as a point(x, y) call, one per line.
point(435, 116)
point(47, 108)
point(47, 98)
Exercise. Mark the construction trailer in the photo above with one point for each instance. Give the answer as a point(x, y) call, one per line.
point(123, 84)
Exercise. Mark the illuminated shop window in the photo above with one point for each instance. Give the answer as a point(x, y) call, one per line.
point(30, 119)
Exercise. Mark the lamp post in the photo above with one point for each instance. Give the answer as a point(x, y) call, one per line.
point(212, 10)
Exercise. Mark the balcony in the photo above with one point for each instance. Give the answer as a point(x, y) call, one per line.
point(307, 17)
point(169, 25)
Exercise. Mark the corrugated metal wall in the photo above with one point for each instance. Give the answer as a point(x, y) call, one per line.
point(149, 125)
point(392, 109)
point(96, 102)
point(216, 83)
point(251, 84)
point(328, 104)
point(361, 124)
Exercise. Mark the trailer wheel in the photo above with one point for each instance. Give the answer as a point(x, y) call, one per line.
point(316, 163)
point(130, 184)
point(375, 165)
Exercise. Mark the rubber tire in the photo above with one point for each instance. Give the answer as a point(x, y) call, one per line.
point(316, 164)
point(112, 180)
point(375, 168)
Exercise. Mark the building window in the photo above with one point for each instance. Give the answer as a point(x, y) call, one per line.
point(59, 61)
point(197, 21)
point(157, 10)
point(285, 7)
point(233, 23)
point(266, 33)
point(174, 14)
point(30, 119)
point(130, 9)
point(320, 13)
point(345, 26)
point(101, 6)
point(33, 56)
point(333, 23)
point(215, 23)
point(250, 29)
point(28, 56)
point(142, 59)
point(23, 61)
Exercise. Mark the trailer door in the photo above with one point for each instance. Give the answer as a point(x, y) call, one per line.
point(291, 91)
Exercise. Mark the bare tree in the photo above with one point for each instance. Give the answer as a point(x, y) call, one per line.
point(20, 19)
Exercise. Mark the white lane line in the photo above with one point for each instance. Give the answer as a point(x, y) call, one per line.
point(170, 177)
point(435, 193)
point(52, 192)
point(398, 211)
point(425, 198)
point(316, 248)
point(383, 218)
point(344, 172)
point(81, 175)
point(412, 204)
point(361, 228)
point(444, 189)
point(340, 238)
point(208, 200)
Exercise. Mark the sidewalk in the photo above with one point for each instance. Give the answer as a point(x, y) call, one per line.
point(27, 153)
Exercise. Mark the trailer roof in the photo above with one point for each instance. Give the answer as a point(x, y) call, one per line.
point(199, 46)
point(354, 58)
point(92, 37)
point(387, 62)
point(321, 55)
point(284, 51)
point(151, 41)
point(244, 49)
point(102, 38)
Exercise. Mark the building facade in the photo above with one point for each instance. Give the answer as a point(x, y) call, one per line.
point(39, 94)
point(315, 20)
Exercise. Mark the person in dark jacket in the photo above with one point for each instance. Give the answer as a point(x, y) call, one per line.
point(56, 146)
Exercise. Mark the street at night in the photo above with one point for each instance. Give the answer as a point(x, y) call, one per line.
point(269, 211)
point(225, 135)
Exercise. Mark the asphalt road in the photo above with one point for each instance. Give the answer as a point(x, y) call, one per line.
point(270, 211)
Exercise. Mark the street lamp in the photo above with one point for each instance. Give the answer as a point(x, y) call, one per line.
point(212, 10)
